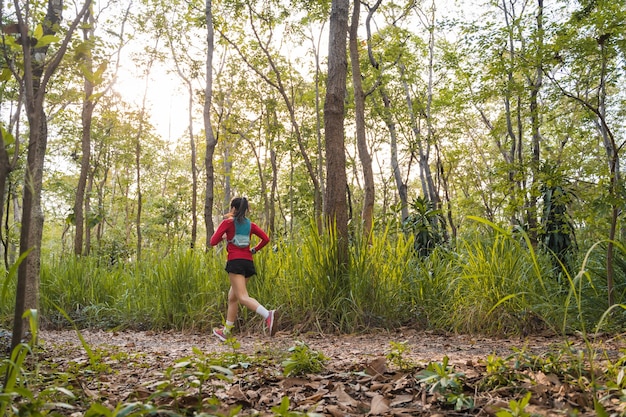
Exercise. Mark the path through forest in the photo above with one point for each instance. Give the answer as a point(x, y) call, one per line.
point(359, 378)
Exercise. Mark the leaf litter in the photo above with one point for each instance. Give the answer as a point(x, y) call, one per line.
point(360, 377)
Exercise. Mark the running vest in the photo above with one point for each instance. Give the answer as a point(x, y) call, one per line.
point(242, 233)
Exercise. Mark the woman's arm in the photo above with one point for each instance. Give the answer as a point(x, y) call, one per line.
point(219, 233)
point(257, 231)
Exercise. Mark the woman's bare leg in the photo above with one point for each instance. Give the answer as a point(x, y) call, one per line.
point(238, 294)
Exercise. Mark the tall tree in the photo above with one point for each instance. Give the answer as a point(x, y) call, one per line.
point(336, 210)
point(211, 141)
point(359, 117)
point(182, 60)
point(38, 68)
point(591, 47)
point(387, 114)
point(91, 78)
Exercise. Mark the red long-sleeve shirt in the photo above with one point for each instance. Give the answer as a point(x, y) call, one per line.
point(228, 226)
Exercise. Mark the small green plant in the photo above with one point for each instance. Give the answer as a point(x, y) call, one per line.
point(498, 373)
point(440, 378)
point(16, 396)
point(516, 408)
point(397, 355)
point(303, 360)
point(282, 410)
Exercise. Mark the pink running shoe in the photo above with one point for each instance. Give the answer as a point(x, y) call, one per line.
point(269, 322)
point(219, 333)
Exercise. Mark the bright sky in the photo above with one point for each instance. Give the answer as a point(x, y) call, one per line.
point(167, 104)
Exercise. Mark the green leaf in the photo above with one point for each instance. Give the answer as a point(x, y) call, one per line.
point(97, 410)
point(97, 75)
point(5, 76)
point(38, 32)
point(46, 40)
point(223, 370)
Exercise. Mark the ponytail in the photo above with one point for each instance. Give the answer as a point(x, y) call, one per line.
point(241, 208)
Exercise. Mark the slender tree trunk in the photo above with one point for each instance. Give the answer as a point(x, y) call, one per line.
point(192, 142)
point(88, 223)
point(138, 183)
point(318, 123)
point(510, 128)
point(272, 215)
point(430, 137)
point(87, 112)
point(388, 119)
point(211, 142)
point(395, 165)
point(5, 170)
point(612, 151)
point(359, 113)
point(337, 183)
point(535, 122)
point(194, 178)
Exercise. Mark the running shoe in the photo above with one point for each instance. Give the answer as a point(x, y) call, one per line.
point(269, 322)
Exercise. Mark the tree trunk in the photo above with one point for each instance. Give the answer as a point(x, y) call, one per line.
point(86, 117)
point(138, 183)
point(211, 142)
point(7, 165)
point(336, 187)
point(192, 142)
point(88, 223)
point(272, 214)
point(359, 114)
point(318, 123)
point(37, 73)
point(535, 87)
point(5, 170)
point(388, 119)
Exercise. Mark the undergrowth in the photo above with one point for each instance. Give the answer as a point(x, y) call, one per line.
point(493, 282)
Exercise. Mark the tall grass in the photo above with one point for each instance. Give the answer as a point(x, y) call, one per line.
point(492, 282)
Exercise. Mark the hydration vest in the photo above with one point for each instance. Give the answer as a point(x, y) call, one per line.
point(242, 233)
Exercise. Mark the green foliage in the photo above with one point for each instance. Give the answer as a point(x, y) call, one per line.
point(516, 408)
point(440, 378)
point(425, 223)
point(303, 360)
point(283, 410)
point(18, 394)
point(397, 355)
point(493, 282)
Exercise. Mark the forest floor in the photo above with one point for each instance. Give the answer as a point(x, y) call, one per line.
point(366, 374)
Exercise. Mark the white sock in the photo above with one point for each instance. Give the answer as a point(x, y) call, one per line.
point(262, 311)
point(228, 327)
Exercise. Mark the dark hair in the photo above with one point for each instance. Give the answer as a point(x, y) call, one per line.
point(241, 207)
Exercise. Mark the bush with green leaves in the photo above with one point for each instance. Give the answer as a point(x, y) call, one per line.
point(303, 360)
point(440, 378)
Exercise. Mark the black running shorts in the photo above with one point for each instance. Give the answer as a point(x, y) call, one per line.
point(243, 267)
